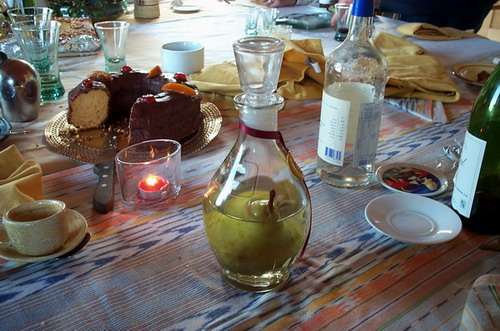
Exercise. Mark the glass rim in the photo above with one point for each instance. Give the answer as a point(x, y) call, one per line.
point(259, 44)
point(20, 11)
point(111, 25)
point(34, 25)
point(61, 205)
point(178, 148)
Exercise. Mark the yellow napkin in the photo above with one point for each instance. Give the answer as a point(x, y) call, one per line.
point(432, 32)
point(20, 180)
point(421, 77)
point(297, 81)
point(412, 75)
point(392, 45)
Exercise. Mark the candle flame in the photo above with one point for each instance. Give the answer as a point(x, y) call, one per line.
point(151, 180)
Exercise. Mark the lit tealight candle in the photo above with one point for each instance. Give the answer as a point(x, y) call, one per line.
point(152, 187)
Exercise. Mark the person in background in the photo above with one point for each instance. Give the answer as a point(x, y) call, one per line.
point(459, 14)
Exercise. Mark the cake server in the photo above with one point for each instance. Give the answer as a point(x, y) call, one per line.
point(104, 196)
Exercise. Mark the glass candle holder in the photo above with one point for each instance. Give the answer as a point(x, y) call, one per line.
point(149, 172)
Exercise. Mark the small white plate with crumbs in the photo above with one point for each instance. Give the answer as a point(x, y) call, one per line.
point(413, 219)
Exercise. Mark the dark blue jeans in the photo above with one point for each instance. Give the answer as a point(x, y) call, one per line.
point(460, 14)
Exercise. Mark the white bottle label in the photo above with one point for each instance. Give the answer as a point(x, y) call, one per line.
point(467, 174)
point(367, 135)
point(349, 117)
point(333, 129)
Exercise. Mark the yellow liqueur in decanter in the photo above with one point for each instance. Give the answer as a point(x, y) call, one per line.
point(257, 209)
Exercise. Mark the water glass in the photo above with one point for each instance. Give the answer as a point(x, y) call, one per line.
point(17, 15)
point(113, 36)
point(269, 17)
point(342, 15)
point(39, 42)
point(252, 21)
point(282, 31)
point(149, 172)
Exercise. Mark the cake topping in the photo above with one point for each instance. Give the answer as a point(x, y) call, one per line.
point(180, 88)
point(148, 98)
point(100, 76)
point(88, 83)
point(126, 69)
point(180, 77)
point(154, 72)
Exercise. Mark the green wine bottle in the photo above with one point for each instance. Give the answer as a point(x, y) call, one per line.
point(476, 195)
point(28, 3)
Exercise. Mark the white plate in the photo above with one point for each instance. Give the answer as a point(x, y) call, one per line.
point(413, 219)
point(186, 9)
point(5, 127)
point(77, 229)
point(412, 178)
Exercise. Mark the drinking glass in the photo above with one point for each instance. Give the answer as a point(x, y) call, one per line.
point(251, 21)
point(29, 13)
point(342, 14)
point(269, 17)
point(39, 42)
point(113, 36)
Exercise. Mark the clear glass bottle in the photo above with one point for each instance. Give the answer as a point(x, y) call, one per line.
point(476, 194)
point(257, 209)
point(355, 78)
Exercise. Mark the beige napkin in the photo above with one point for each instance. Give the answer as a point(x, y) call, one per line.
point(20, 180)
point(392, 45)
point(297, 81)
point(412, 75)
point(432, 32)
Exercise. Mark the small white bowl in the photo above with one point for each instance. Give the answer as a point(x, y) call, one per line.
point(182, 56)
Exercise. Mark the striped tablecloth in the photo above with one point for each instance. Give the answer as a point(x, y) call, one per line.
point(154, 269)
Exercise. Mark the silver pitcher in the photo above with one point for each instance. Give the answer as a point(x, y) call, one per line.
point(19, 90)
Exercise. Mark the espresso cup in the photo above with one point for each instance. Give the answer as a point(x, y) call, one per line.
point(37, 228)
point(182, 56)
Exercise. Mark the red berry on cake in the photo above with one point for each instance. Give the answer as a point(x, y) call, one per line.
point(87, 83)
point(149, 98)
point(180, 77)
point(126, 69)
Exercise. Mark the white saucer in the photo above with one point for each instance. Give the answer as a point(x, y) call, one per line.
point(413, 219)
point(186, 9)
point(412, 178)
point(77, 229)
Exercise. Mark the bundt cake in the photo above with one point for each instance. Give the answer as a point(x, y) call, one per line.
point(156, 106)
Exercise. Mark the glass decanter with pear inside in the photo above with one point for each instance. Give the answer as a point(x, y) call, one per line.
point(257, 209)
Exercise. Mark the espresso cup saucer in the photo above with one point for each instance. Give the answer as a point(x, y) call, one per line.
point(413, 219)
point(77, 229)
point(186, 9)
